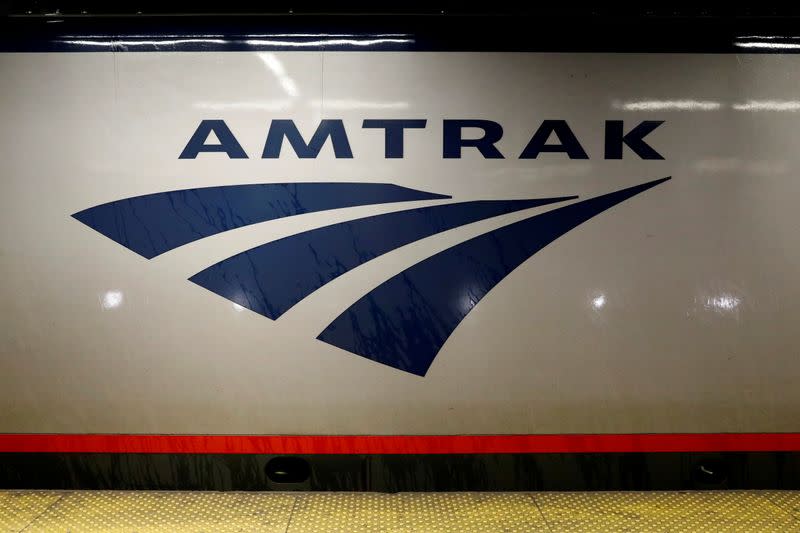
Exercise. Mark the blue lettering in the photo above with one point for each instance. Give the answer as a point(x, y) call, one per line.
point(492, 132)
point(394, 129)
point(227, 142)
point(327, 128)
point(634, 139)
point(568, 143)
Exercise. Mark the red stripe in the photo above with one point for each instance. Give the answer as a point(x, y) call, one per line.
point(405, 444)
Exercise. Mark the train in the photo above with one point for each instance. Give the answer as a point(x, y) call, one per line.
point(394, 254)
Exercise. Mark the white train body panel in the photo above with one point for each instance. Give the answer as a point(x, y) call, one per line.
point(674, 311)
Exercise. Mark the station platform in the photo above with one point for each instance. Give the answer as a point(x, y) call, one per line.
point(297, 512)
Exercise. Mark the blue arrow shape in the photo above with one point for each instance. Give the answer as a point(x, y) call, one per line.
point(156, 223)
point(271, 278)
point(405, 321)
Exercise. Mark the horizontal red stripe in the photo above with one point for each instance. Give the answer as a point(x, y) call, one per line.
point(400, 444)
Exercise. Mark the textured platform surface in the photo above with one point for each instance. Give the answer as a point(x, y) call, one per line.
point(140, 512)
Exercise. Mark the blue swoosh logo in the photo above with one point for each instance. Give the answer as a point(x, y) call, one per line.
point(271, 278)
point(156, 223)
point(404, 322)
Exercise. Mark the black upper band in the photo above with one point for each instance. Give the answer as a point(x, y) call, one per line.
point(427, 31)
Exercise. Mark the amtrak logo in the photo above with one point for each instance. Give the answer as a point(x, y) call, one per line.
point(403, 322)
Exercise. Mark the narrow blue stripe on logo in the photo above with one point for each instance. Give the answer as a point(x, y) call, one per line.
point(271, 278)
point(156, 223)
point(405, 321)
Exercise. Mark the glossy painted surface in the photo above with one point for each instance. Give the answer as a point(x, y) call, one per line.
point(673, 311)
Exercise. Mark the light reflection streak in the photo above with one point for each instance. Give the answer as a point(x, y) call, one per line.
point(706, 105)
point(84, 42)
point(128, 41)
point(766, 45)
point(768, 105)
point(274, 64)
point(326, 42)
point(668, 105)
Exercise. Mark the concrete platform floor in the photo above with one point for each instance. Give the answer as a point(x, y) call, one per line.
point(284, 512)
